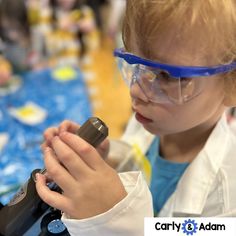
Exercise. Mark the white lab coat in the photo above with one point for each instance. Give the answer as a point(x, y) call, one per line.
point(207, 188)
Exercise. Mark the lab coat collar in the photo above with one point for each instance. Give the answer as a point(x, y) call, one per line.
point(194, 186)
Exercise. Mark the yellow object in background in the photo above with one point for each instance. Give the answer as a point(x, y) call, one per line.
point(26, 111)
point(30, 113)
point(76, 15)
point(5, 71)
point(64, 73)
point(4, 64)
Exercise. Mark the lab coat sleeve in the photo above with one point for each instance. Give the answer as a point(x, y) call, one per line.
point(125, 218)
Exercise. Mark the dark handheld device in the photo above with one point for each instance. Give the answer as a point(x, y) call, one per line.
point(26, 207)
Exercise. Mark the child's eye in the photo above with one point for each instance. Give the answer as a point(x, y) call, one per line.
point(186, 81)
point(165, 77)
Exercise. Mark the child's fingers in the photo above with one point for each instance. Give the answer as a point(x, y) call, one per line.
point(50, 133)
point(69, 158)
point(52, 198)
point(85, 151)
point(103, 148)
point(43, 146)
point(48, 177)
point(57, 172)
point(69, 126)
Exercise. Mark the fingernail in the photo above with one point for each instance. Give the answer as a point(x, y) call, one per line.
point(47, 149)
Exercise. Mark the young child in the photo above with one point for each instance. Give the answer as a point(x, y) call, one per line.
point(179, 62)
point(67, 29)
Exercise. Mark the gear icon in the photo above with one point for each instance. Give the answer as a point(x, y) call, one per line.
point(189, 227)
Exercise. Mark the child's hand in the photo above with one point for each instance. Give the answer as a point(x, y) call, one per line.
point(90, 187)
point(71, 127)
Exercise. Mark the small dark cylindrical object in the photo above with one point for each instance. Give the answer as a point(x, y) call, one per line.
point(93, 131)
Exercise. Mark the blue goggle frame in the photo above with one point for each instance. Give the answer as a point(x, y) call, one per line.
point(174, 70)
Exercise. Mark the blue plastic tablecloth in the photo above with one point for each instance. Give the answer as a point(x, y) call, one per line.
point(22, 154)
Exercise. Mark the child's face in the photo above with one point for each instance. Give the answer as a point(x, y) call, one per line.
point(203, 110)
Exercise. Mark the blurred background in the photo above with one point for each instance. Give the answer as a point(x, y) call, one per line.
point(56, 63)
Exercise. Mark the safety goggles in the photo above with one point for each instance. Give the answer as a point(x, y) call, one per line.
point(164, 83)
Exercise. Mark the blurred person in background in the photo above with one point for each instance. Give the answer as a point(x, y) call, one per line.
point(65, 31)
point(15, 34)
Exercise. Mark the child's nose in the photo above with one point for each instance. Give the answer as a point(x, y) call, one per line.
point(136, 92)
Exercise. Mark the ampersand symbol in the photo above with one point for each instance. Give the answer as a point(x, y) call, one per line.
point(190, 227)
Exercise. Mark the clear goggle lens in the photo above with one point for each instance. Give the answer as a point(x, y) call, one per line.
point(158, 85)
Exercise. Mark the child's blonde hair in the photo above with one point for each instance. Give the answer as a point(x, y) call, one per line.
point(215, 21)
